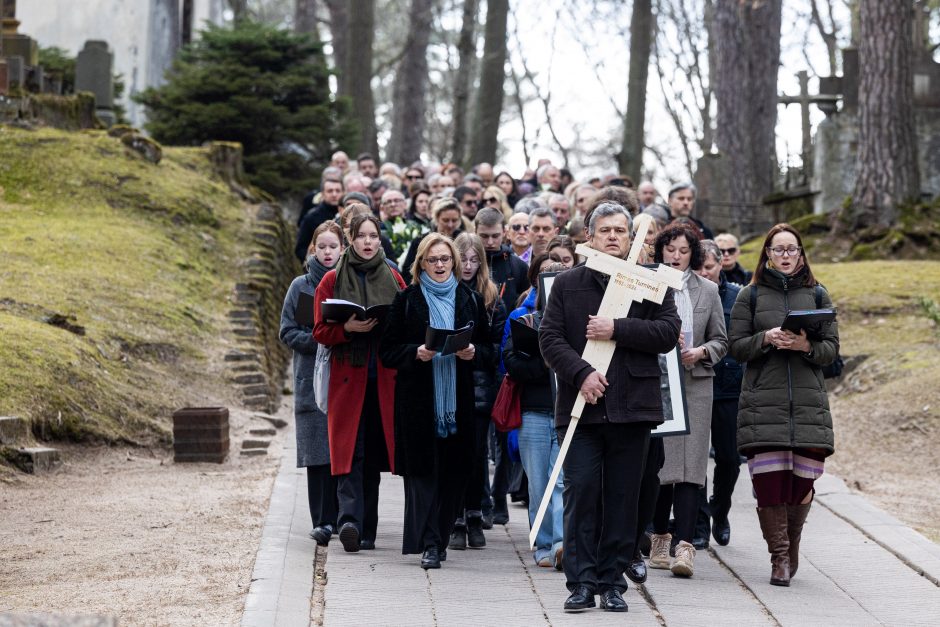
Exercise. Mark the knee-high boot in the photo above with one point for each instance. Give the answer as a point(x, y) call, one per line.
point(796, 517)
point(773, 523)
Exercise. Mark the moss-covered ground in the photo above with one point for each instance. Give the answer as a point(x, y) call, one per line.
point(115, 276)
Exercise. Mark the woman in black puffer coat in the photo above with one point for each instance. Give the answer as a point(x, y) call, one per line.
point(784, 424)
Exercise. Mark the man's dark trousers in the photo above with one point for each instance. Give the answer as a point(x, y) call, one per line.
point(603, 469)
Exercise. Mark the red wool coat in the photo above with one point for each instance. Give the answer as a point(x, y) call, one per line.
point(348, 388)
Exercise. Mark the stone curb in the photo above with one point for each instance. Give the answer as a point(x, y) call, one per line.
point(909, 546)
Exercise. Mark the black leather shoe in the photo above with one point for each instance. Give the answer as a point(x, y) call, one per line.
point(367, 545)
point(581, 599)
point(612, 601)
point(431, 558)
point(349, 536)
point(322, 534)
point(487, 521)
point(721, 529)
point(636, 569)
point(700, 544)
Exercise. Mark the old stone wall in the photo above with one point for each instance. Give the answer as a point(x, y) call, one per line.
point(70, 113)
point(258, 365)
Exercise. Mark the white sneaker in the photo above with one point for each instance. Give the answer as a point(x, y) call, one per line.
point(659, 551)
point(685, 557)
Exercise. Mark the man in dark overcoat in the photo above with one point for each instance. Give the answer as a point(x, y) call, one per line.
point(604, 464)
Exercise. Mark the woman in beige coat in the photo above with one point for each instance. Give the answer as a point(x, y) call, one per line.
point(704, 342)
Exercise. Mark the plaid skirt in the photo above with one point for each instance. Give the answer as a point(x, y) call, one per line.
point(783, 476)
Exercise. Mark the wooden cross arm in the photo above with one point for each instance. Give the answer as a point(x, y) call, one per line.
point(608, 264)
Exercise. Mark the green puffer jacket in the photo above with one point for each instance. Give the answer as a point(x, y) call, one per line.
point(783, 398)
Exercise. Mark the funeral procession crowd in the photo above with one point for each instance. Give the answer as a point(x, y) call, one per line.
point(409, 330)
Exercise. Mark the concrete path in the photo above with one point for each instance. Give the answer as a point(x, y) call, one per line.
point(858, 566)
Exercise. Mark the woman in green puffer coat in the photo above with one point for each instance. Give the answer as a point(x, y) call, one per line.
point(784, 424)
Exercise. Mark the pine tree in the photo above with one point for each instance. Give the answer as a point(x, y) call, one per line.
point(262, 86)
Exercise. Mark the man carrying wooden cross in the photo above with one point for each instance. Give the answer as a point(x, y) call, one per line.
point(604, 463)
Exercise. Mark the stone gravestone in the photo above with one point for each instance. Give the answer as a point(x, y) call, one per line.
point(94, 73)
point(16, 71)
point(4, 78)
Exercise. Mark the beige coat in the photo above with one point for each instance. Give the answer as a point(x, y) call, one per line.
point(687, 455)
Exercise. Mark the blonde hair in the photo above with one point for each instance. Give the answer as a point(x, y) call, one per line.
point(484, 285)
point(430, 240)
point(501, 196)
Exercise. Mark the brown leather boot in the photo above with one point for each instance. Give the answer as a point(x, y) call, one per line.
point(796, 517)
point(773, 523)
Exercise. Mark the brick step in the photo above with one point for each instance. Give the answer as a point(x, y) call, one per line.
point(254, 451)
point(32, 459)
point(256, 444)
point(262, 431)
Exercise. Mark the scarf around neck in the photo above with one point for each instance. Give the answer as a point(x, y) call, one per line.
point(684, 305)
point(315, 271)
point(441, 299)
point(379, 287)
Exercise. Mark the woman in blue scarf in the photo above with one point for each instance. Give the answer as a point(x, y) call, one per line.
point(434, 399)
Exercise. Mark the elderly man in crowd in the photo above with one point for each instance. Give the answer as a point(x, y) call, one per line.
point(681, 203)
point(549, 178)
point(608, 451)
point(543, 226)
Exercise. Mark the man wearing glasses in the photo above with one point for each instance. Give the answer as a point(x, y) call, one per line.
point(468, 201)
point(518, 235)
point(734, 271)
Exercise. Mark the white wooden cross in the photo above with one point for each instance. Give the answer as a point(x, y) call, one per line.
point(629, 283)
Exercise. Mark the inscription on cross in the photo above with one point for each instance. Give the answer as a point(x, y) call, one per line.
point(629, 283)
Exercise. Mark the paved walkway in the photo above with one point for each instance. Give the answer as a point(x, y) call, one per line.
point(858, 566)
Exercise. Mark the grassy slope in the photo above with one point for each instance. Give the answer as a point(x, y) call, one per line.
point(886, 409)
point(139, 254)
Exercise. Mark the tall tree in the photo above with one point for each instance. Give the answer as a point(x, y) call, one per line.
point(887, 143)
point(747, 37)
point(358, 72)
point(466, 50)
point(492, 75)
point(339, 31)
point(305, 17)
point(239, 9)
point(630, 158)
point(409, 97)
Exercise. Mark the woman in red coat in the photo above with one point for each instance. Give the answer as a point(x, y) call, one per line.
point(360, 404)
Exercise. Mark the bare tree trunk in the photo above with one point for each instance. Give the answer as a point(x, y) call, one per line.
point(887, 143)
point(186, 28)
point(830, 36)
point(747, 38)
point(466, 49)
point(239, 9)
point(305, 17)
point(630, 158)
point(339, 30)
point(409, 96)
point(492, 75)
point(358, 72)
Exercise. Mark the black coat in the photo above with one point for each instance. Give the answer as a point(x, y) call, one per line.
point(414, 383)
point(533, 377)
point(634, 394)
point(311, 220)
point(509, 273)
point(485, 378)
point(728, 372)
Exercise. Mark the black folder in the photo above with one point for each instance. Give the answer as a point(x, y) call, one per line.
point(814, 321)
point(525, 339)
point(338, 310)
point(448, 341)
point(303, 314)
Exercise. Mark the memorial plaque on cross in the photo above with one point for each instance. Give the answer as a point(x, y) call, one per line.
point(629, 283)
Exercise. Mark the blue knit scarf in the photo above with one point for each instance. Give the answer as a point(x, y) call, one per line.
point(441, 298)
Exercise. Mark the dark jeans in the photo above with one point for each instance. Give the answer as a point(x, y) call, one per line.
point(649, 486)
point(727, 459)
point(603, 471)
point(476, 497)
point(321, 495)
point(358, 491)
point(683, 499)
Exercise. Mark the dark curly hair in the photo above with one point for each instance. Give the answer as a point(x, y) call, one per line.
point(676, 231)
